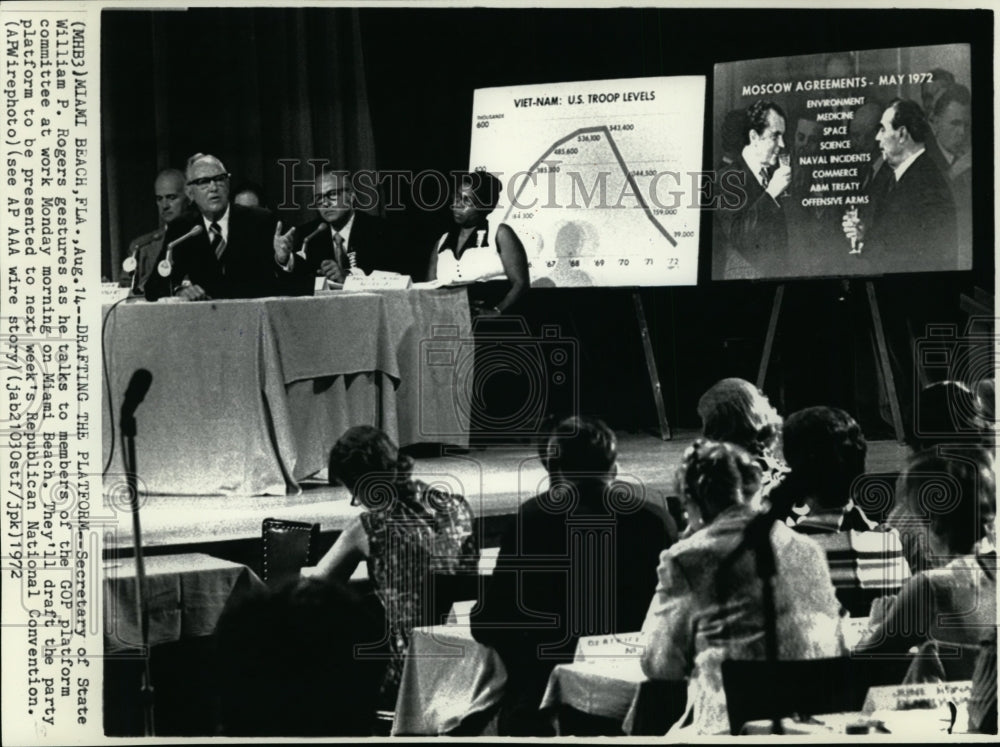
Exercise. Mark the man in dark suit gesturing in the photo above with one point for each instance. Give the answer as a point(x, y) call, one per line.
point(223, 251)
point(909, 223)
point(339, 241)
point(753, 231)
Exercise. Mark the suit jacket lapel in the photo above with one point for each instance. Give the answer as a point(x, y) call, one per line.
point(752, 186)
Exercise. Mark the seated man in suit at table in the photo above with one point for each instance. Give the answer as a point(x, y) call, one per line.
point(171, 203)
point(579, 560)
point(341, 240)
point(223, 250)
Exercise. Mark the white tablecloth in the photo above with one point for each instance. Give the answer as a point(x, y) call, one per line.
point(447, 676)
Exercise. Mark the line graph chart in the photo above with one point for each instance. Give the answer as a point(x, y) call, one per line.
point(598, 177)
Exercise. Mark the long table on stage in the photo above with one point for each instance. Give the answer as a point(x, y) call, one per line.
point(248, 396)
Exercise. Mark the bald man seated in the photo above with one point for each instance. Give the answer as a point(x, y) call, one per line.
point(171, 203)
point(223, 251)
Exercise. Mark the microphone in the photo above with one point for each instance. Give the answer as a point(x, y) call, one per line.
point(302, 249)
point(167, 265)
point(130, 262)
point(136, 391)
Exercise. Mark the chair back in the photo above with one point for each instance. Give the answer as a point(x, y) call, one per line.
point(287, 547)
point(807, 687)
point(938, 661)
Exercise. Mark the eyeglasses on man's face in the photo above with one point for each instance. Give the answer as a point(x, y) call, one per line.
point(333, 197)
point(204, 181)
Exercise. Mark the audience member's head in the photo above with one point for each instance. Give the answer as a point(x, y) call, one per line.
point(951, 119)
point(715, 476)
point(581, 449)
point(838, 65)
point(249, 194)
point(864, 126)
point(825, 449)
point(288, 666)
point(939, 81)
point(732, 134)
point(368, 464)
point(734, 410)
point(947, 413)
point(955, 495)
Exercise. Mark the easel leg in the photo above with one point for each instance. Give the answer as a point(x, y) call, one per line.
point(886, 368)
point(654, 377)
point(772, 326)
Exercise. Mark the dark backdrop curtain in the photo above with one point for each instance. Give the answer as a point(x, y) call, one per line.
point(251, 86)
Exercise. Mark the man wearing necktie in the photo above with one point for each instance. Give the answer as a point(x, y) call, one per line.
point(222, 251)
point(909, 222)
point(341, 241)
point(751, 236)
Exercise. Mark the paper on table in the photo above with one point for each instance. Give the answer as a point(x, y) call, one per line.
point(428, 284)
point(612, 645)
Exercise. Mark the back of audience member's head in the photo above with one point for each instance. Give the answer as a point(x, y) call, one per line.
point(825, 449)
point(288, 665)
point(581, 449)
point(716, 476)
point(367, 452)
point(947, 413)
point(734, 410)
point(955, 494)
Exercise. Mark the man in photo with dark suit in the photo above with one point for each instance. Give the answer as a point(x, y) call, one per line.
point(341, 240)
point(171, 203)
point(579, 559)
point(752, 229)
point(909, 222)
point(223, 250)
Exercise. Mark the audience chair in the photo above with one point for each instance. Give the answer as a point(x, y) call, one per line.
point(804, 687)
point(938, 661)
point(287, 547)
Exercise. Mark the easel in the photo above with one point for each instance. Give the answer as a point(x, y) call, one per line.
point(885, 376)
point(654, 377)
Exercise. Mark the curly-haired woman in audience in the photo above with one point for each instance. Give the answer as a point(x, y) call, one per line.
point(954, 601)
point(708, 604)
point(407, 532)
point(734, 410)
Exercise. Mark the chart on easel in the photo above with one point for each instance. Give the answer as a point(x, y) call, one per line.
point(598, 177)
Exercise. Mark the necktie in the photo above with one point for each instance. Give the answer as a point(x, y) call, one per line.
point(338, 250)
point(218, 243)
point(765, 178)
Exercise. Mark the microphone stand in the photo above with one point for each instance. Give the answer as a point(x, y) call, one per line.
point(128, 431)
point(757, 538)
